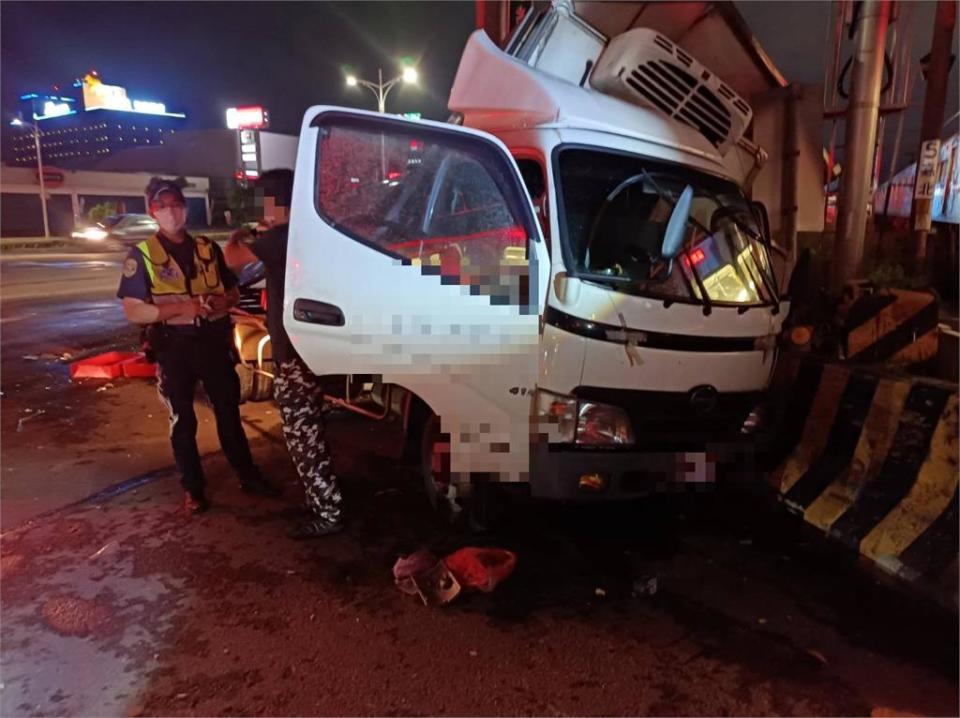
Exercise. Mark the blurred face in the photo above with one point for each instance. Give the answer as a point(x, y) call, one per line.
point(273, 213)
point(170, 213)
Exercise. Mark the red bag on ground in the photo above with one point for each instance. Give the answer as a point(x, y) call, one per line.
point(481, 568)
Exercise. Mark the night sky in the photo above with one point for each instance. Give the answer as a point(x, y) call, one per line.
point(201, 58)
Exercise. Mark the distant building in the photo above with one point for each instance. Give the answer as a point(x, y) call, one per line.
point(205, 153)
point(80, 127)
point(72, 193)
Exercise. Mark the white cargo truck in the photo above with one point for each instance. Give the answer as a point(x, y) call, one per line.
point(569, 290)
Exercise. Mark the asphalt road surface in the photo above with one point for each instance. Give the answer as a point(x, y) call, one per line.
point(115, 603)
point(30, 275)
point(122, 605)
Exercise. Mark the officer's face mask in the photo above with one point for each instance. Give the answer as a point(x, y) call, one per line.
point(171, 219)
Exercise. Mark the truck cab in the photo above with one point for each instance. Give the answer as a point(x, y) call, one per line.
point(571, 285)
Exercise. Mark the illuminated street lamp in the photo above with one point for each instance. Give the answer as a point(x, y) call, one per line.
point(17, 122)
point(380, 88)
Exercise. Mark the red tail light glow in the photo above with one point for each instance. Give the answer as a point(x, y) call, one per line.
point(693, 257)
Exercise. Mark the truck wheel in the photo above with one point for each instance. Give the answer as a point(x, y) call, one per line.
point(248, 378)
point(435, 470)
point(413, 436)
point(476, 513)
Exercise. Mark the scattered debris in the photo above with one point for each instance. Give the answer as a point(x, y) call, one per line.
point(473, 653)
point(31, 415)
point(645, 586)
point(30, 357)
point(761, 621)
point(819, 656)
point(181, 696)
point(106, 548)
point(66, 356)
point(106, 386)
point(600, 592)
point(481, 568)
point(407, 566)
point(439, 582)
point(436, 586)
point(386, 492)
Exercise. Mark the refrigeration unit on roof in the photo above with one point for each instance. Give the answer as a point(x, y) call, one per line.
point(646, 68)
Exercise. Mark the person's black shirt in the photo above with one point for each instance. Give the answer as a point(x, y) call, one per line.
point(270, 247)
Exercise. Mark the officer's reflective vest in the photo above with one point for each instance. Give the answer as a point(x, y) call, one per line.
point(167, 281)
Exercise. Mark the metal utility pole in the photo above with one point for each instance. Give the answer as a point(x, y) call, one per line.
point(938, 72)
point(863, 110)
point(18, 122)
point(43, 188)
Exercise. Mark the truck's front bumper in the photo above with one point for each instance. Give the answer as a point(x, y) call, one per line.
point(570, 473)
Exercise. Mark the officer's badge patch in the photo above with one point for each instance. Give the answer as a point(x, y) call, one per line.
point(168, 273)
point(129, 267)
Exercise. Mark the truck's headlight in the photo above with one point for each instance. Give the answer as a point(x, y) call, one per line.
point(599, 424)
point(566, 420)
point(557, 415)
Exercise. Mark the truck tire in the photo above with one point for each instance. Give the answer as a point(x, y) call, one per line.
point(435, 469)
point(474, 514)
point(413, 436)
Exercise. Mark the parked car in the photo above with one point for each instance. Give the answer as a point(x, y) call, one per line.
point(118, 230)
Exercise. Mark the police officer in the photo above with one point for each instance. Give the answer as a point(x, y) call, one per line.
point(178, 287)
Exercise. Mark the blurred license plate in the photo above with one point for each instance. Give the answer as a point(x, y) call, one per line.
point(696, 468)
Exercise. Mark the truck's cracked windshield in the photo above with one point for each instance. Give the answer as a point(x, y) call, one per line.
point(615, 209)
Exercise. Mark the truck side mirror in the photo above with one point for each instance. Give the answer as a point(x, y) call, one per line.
point(763, 219)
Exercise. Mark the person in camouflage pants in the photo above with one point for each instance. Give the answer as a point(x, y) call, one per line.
point(296, 390)
point(300, 399)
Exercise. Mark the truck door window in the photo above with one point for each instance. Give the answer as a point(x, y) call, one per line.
point(447, 203)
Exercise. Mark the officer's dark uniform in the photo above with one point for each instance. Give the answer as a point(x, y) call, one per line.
point(160, 272)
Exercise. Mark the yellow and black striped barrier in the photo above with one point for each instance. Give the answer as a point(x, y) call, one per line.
point(896, 326)
point(872, 462)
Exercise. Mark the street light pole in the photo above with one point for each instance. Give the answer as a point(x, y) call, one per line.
point(43, 187)
point(381, 89)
